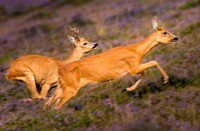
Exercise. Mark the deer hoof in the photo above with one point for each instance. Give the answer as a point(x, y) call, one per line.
point(128, 89)
point(165, 80)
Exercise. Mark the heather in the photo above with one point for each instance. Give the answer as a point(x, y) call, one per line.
point(41, 27)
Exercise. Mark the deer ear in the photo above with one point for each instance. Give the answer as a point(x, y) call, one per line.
point(72, 39)
point(154, 24)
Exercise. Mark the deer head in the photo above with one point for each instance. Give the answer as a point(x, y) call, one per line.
point(162, 35)
point(81, 43)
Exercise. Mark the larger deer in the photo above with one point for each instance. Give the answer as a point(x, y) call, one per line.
point(112, 64)
point(42, 70)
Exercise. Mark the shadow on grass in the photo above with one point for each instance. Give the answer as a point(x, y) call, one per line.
point(157, 86)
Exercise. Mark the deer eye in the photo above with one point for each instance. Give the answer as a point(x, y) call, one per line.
point(85, 44)
point(164, 33)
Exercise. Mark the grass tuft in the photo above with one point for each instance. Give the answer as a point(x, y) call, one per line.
point(190, 4)
point(191, 28)
point(41, 15)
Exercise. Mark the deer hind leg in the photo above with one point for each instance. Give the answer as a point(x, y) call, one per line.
point(44, 90)
point(30, 81)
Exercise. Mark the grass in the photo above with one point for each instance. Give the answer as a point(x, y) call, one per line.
point(191, 28)
point(5, 59)
point(80, 20)
point(190, 4)
point(106, 106)
point(74, 2)
point(47, 28)
point(2, 11)
point(42, 15)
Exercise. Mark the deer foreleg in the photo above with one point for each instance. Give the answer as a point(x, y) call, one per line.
point(147, 65)
point(67, 95)
point(136, 84)
point(55, 99)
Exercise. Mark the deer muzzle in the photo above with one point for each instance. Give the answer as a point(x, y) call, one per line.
point(175, 40)
point(95, 45)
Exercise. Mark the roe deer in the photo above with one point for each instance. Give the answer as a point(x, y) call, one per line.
point(42, 70)
point(112, 64)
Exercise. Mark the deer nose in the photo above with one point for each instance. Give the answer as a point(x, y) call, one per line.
point(175, 38)
point(95, 45)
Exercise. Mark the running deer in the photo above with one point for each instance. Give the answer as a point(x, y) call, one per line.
point(42, 70)
point(112, 64)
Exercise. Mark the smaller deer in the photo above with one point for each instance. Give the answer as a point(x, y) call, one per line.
point(42, 70)
point(112, 64)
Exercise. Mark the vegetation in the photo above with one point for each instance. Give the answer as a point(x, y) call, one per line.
point(74, 2)
point(106, 106)
point(190, 4)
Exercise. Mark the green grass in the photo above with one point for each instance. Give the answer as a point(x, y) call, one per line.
point(74, 2)
point(41, 15)
point(47, 28)
point(191, 28)
point(190, 4)
point(5, 59)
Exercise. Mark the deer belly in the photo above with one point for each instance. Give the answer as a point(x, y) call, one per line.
point(112, 74)
point(118, 73)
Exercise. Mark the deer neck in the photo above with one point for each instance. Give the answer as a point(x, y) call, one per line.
point(145, 45)
point(75, 55)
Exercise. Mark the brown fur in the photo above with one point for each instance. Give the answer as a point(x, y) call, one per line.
point(42, 70)
point(112, 64)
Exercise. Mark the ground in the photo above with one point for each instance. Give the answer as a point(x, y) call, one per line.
point(41, 28)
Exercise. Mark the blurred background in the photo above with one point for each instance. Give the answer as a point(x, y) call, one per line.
point(41, 26)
